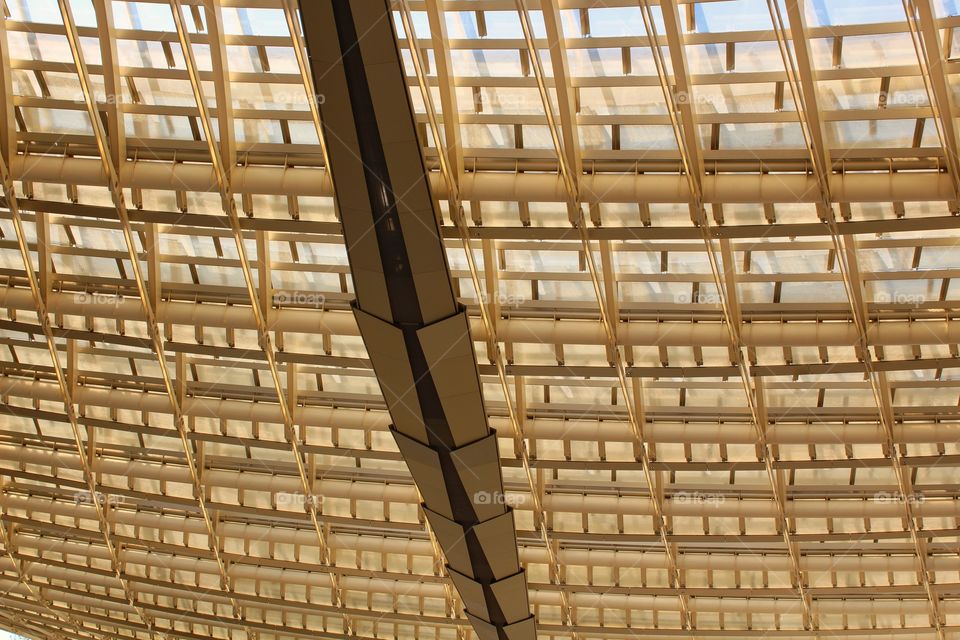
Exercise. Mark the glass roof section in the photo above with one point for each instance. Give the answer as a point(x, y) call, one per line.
point(769, 191)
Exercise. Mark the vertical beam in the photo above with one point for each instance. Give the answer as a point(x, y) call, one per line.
point(8, 125)
point(447, 85)
point(803, 85)
point(152, 250)
point(221, 83)
point(44, 257)
point(611, 292)
point(264, 280)
point(926, 41)
point(683, 90)
point(730, 280)
point(490, 297)
point(566, 103)
point(116, 129)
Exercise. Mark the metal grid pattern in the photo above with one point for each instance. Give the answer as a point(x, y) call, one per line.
point(707, 250)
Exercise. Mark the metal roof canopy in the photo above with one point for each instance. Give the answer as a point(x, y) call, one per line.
point(705, 252)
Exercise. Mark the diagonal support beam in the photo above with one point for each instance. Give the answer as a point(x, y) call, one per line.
point(7, 532)
point(80, 441)
point(8, 125)
point(116, 130)
point(682, 103)
point(443, 62)
point(566, 102)
point(293, 26)
point(926, 42)
point(803, 87)
point(449, 159)
point(416, 333)
point(227, 137)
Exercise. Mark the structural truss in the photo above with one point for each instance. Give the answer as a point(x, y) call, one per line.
point(703, 252)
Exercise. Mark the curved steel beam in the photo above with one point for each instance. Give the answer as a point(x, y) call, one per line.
point(417, 335)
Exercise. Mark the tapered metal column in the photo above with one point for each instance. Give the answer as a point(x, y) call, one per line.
point(417, 335)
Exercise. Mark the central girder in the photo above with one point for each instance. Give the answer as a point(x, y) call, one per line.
point(416, 333)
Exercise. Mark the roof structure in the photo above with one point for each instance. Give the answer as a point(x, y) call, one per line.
point(703, 253)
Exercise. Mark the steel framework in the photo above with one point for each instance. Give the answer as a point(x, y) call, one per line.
point(704, 252)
